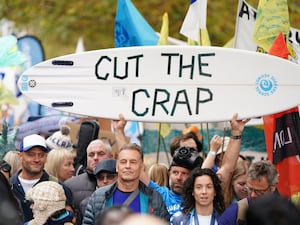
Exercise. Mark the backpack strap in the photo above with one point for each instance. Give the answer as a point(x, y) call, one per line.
point(242, 208)
point(131, 197)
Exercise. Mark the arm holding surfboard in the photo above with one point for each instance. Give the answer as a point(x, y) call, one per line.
point(230, 157)
point(215, 144)
point(119, 127)
point(232, 153)
point(119, 131)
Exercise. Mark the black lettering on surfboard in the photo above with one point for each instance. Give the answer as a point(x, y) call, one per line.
point(99, 76)
point(103, 67)
point(133, 105)
point(191, 66)
point(162, 98)
point(185, 101)
point(173, 60)
point(169, 60)
point(201, 64)
point(208, 96)
point(247, 11)
point(158, 95)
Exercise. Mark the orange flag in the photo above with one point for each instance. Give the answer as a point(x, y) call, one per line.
point(279, 47)
point(282, 135)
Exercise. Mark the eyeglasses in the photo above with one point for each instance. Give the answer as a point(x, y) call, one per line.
point(108, 177)
point(257, 191)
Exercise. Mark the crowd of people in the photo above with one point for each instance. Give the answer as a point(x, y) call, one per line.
point(40, 185)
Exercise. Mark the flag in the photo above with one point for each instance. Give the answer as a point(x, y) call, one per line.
point(131, 29)
point(272, 18)
point(279, 47)
point(164, 32)
point(282, 135)
point(195, 19)
point(245, 21)
point(164, 129)
point(80, 46)
point(32, 47)
point(204, 39)
point(9, 53)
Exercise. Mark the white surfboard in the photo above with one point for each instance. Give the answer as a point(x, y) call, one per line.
point(178, 84)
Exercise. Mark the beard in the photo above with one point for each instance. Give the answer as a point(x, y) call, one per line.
point(175, 189)
point(33, 170)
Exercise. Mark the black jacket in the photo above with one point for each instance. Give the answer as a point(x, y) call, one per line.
point(20, 194)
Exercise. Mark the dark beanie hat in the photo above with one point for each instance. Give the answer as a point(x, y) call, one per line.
point(186, 157)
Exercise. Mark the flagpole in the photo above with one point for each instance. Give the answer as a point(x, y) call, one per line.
point(158, 142)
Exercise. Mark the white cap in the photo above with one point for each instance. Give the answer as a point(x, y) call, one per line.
point(31, 141)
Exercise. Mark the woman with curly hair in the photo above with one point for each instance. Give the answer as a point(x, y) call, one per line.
point(203, 200)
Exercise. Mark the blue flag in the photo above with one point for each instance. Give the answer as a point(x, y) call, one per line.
point(131, 29)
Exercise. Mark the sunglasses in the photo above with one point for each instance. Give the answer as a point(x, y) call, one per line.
point(108, 177)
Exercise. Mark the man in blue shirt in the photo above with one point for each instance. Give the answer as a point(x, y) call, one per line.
point(180, 170)
point(262, 180)
point(127, 190)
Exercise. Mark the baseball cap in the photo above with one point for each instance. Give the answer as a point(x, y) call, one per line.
point(31, 141)
point(106, 165)
point(186, 157)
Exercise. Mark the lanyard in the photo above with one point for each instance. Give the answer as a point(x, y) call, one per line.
point(196, 221)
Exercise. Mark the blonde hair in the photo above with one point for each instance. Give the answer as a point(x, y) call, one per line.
point(241, 169)
point(55, 159)
point(159, 173)
point(11, 157)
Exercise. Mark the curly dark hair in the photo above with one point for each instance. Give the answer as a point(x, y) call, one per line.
point(188, 198)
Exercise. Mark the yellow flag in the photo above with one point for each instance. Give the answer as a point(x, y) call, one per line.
point(7, 96)
point(164, 129)
point(164, 32)
point(204, 39)
point(229, 43)
point(271, 19)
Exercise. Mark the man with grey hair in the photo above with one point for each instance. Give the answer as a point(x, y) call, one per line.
point(128, 190)
point(262, 180)
point(83, 185)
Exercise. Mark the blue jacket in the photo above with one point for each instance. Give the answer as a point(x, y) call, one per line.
point(229, 216)
point(20, 194)
point(188, 218)
point(151, 202)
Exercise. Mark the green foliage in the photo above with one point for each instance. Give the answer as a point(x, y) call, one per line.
point(59, 24)
point(7, 142)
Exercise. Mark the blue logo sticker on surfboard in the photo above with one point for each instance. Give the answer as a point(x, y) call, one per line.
point(266, 85)
point(178, 84)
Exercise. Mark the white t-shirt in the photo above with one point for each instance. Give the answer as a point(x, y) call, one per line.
point(205, 220)
point(27, 184)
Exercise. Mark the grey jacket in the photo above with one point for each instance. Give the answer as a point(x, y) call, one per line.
point(102, 198)
point(82, 186)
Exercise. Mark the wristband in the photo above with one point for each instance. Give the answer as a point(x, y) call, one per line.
point(236, 137)
point(212, 153)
